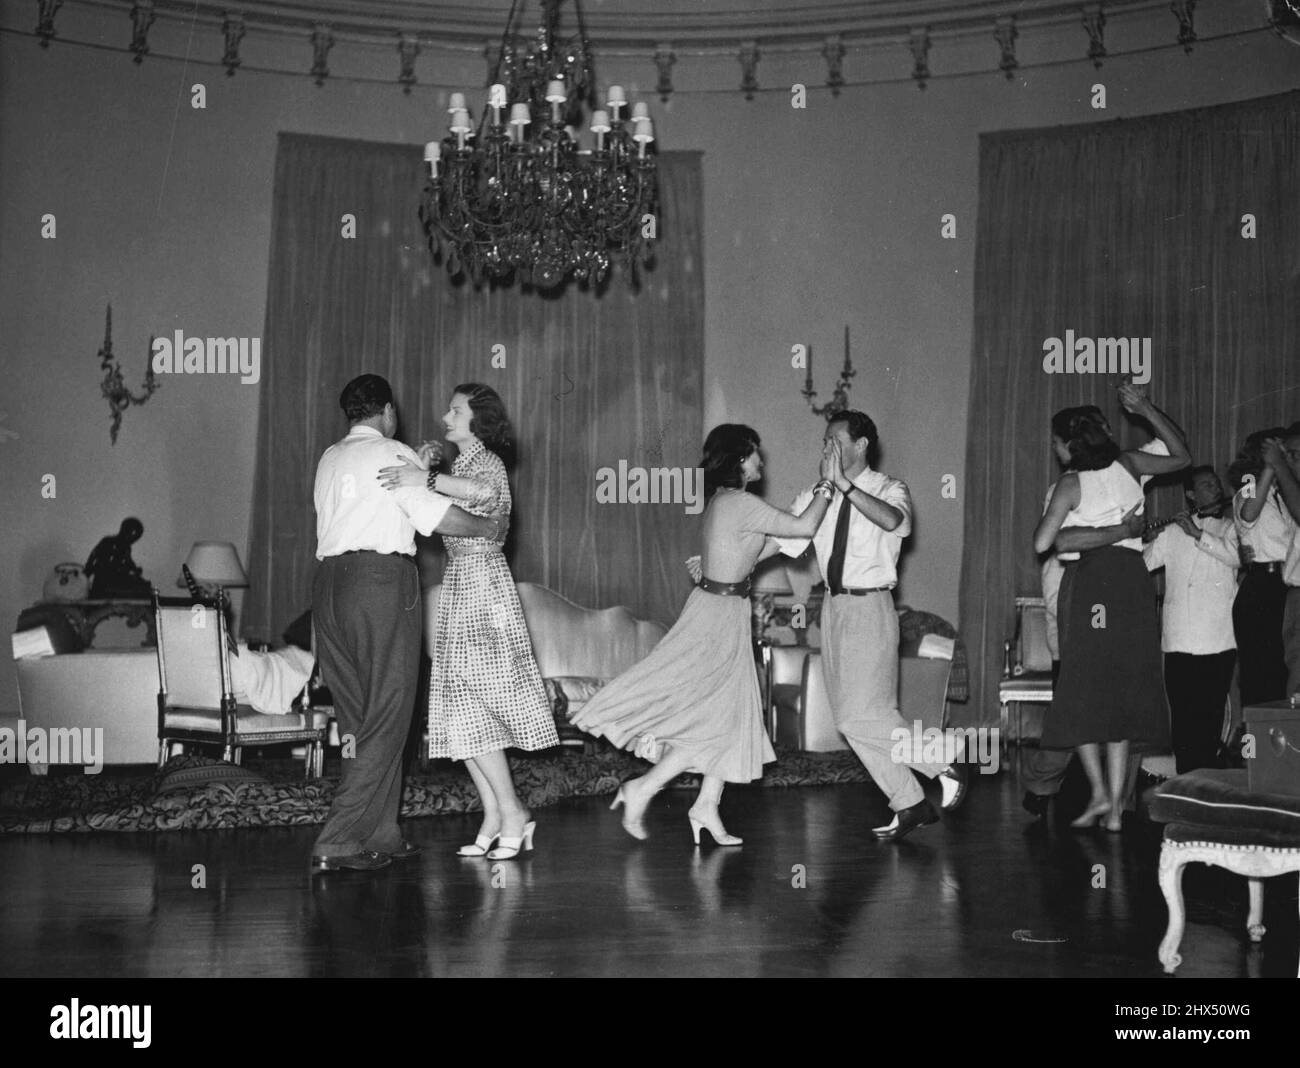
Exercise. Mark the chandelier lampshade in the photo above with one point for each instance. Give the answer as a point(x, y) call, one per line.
point(519, 196)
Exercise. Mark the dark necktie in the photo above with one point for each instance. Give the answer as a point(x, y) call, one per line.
point(839, 548)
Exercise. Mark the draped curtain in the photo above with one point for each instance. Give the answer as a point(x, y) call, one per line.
point(1184, 228)
point(588, 379)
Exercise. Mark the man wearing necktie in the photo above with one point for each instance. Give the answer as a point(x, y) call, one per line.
point(857, 548)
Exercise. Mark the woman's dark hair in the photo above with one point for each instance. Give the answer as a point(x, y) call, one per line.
point(488, 420)
point(365, 396)
point(727, 447)
point(1250, 457)
point(1086, 434)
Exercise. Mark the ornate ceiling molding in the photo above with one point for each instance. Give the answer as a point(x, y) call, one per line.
point(780, 27)
point(763, 30)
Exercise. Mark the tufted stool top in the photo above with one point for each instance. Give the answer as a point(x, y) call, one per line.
point(1216, 806)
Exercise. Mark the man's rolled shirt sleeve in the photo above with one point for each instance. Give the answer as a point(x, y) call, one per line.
point(896, 495)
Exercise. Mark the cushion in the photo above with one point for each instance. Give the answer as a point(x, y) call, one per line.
point(577, 689)
point(1034, 684)
point(184, 772)
point(247, 721)
point(1217, 803)
point(1230, 836)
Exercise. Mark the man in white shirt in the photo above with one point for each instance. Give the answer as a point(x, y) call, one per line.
point(1200, 558)
point(367, 616)
point(857, 546)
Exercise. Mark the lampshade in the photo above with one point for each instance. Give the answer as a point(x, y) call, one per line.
point(214, 563)
point(773, 580)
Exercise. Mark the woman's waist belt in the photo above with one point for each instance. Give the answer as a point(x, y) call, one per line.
point(472, 549)
point(726, 589)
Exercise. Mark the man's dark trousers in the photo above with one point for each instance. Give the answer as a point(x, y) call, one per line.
point(368, 620)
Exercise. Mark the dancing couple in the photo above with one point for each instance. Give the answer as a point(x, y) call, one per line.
point(693, 705)
point(486, 694)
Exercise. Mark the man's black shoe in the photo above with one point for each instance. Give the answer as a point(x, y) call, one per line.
point(406, 851)
point(1035, 804)
point(906, 821)
point(364, 861)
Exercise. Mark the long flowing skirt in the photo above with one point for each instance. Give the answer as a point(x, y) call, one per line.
point(698, 691)
point(485, 691)
point(1111, 687)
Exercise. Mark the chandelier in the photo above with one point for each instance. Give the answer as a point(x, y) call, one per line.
point(520, 196)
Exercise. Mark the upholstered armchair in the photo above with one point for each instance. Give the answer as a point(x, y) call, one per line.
point(196, 697)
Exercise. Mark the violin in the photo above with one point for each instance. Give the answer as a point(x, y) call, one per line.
point(1214, 510)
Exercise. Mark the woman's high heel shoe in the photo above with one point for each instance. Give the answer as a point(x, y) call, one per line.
point(482, 843)
point(714, 826)
point(512, 847)
point(634, 829)
point(1091, 815)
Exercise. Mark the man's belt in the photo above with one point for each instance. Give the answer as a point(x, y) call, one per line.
point(1271, 567)
point(376, 552)
point(726, 589)
point(856, 591)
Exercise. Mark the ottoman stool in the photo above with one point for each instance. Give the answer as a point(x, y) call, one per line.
point(1211, 817)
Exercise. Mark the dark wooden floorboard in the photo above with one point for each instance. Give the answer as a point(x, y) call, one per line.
point(987, 893)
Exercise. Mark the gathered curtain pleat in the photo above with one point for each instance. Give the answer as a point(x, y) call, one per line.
point(1182, 228)
point(589, 379)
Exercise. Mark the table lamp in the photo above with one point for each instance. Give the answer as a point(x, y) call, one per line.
point(214, 564)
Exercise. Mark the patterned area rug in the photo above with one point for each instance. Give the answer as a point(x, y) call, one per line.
point(197, 793)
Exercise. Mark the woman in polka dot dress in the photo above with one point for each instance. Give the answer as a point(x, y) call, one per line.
point(485, 690)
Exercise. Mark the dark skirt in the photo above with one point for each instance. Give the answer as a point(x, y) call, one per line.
point(1111, 687)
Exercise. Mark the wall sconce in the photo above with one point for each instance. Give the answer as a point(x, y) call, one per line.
point(114, 387)
point(839, 401)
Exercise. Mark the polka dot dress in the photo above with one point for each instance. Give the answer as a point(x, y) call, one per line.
point(485, 690)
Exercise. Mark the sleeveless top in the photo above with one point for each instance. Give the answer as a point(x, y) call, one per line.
point(1105, 497)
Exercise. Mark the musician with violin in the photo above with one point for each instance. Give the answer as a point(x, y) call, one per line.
point(1198, 550)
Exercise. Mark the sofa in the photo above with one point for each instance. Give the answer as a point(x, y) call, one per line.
point(578, 649)
point(116, 690)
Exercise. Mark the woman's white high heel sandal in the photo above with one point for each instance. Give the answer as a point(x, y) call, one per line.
point(482, 843)
point(512, 847)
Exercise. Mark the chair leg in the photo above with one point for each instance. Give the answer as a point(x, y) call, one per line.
point(1171, 884)
point(228, 754)
point(162, 752)
point(1255, 918)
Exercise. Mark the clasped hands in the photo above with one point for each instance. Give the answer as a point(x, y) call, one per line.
point(1274, 454)
point(832, 467)
point(413, 475)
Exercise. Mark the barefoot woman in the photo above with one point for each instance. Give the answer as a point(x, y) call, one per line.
point(485, 692)
point(693, 704)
